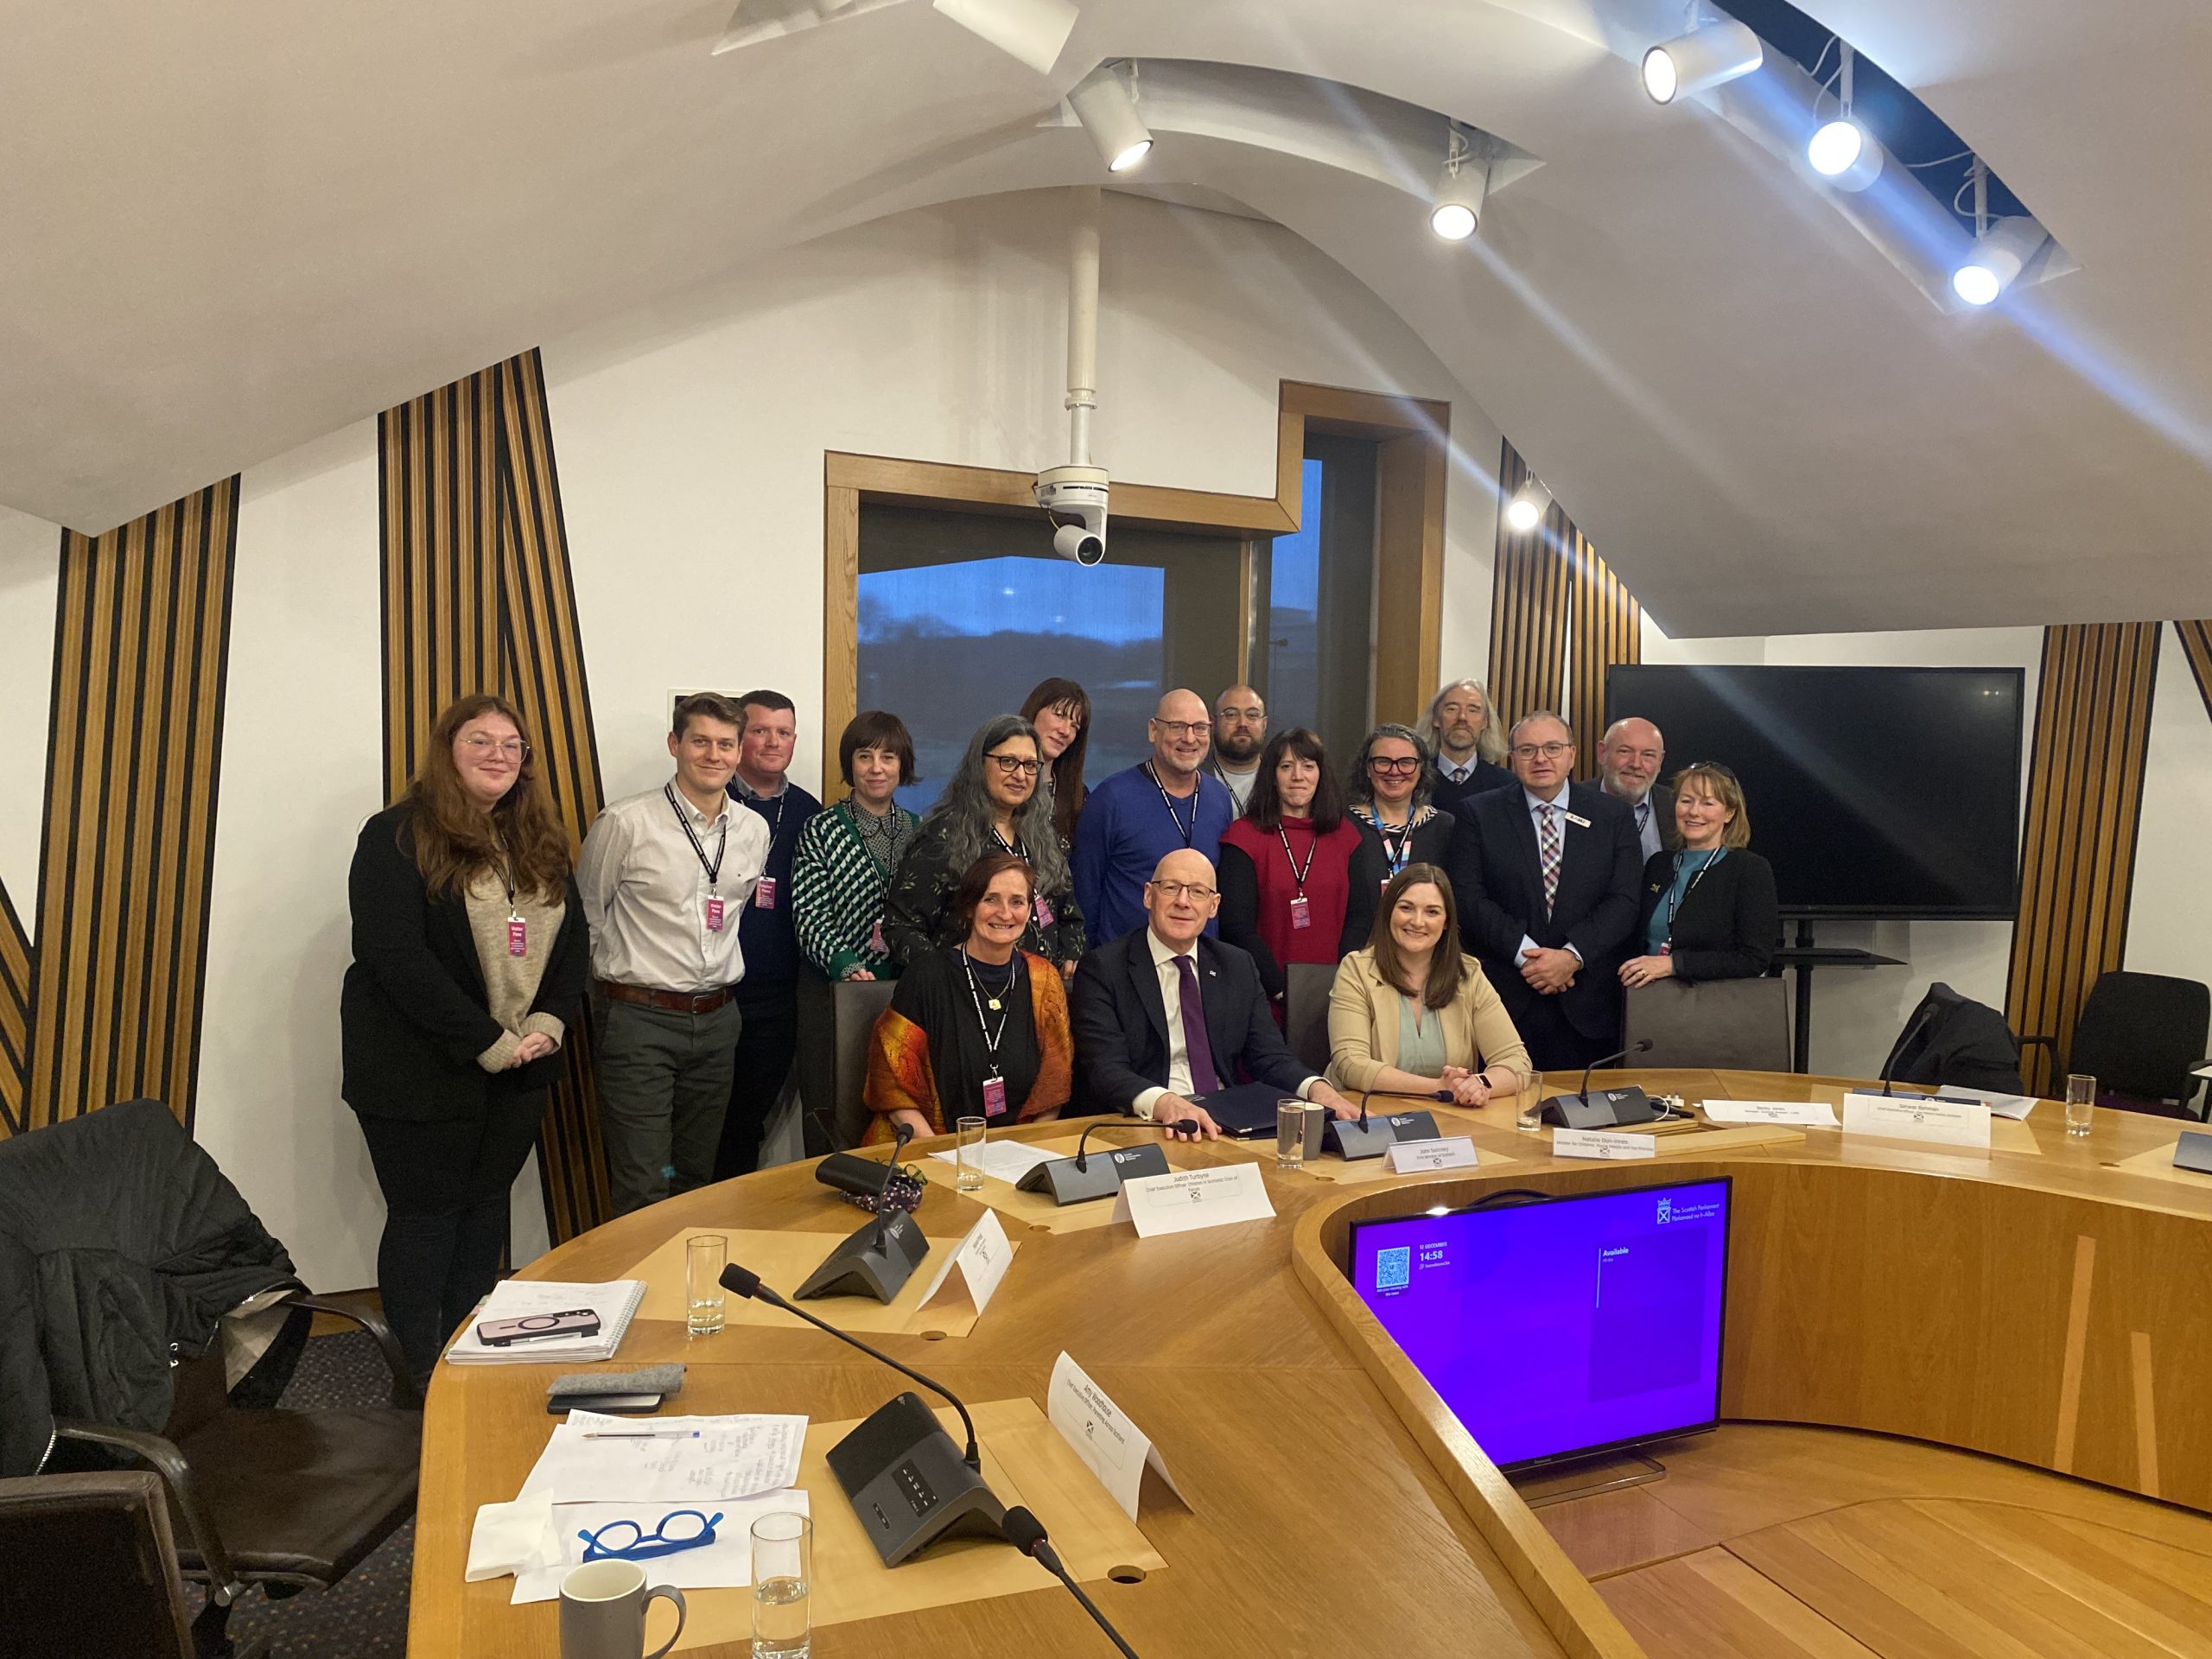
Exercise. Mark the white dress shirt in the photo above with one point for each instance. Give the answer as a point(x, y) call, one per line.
point(1179, 1054)
point(645, 890)
point(1537, 804)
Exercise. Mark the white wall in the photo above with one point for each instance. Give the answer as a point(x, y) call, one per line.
point(31, 576)
point(2170, 915)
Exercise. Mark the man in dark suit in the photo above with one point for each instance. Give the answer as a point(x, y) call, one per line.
point(1164, 1013)
point(1629, 758)
point(1547, 875)
point(1460, 727)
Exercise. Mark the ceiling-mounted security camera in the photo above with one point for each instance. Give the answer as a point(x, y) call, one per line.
point(1077, 493)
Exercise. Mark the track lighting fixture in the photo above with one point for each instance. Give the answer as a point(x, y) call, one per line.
point(1456, 208)
point(2001, 250)
point(1843, 151)
point(1527, 508)
point(1108, 109)
point(1702, 58)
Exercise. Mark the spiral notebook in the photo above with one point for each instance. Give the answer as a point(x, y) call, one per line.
point(616, 1302)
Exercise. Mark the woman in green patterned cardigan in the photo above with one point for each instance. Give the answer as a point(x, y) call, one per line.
point(845, 856)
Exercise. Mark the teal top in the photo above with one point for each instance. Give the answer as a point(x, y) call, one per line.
point(1420, 1050)
point(1688, 867)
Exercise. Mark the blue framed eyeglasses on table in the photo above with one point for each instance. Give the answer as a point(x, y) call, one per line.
point(626, 1541)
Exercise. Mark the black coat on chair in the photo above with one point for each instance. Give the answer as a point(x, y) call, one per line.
point(1121, 1022)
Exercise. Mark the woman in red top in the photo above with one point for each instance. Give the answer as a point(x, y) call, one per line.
point(1286, 865)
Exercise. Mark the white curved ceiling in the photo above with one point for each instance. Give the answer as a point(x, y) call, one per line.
point(226, 230)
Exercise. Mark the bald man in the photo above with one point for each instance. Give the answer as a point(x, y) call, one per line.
point(1165, 1016)
point(1240, 728)
point(1135, 818)
point(1629, 758)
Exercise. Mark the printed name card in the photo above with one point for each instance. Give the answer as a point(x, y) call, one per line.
point(1917, 1117)
point(1602, 1143)
point(1112, 1446)
point(983, 1258)
point(1446, 1152)
point(1184, 1201)
point(1813, 1114)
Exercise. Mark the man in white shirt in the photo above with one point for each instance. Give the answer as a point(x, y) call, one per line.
point(1630, 756)
point(1240, 730)
point(1164, 1014)
point(665, 876)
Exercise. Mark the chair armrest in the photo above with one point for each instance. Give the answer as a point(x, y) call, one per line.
point(224, 1587)
point(2051, 1043)
point(353, 1306)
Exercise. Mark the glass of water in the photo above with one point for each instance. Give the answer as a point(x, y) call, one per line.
point(704, 1255)
point(1290, 1134)
point(783, 1574)
point(970, 1178)
point(2080, 1104)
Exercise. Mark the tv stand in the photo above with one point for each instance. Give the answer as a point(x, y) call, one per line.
point(1537, 1490)
point(1804, 956)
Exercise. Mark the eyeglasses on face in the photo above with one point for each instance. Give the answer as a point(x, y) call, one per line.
point(1196, 892)
point(1015, 766)
point(1549, 751)
point(1185, 728)
point(513, 747)
point(1403, 765)
point(626, 1541)
point(1241, 713)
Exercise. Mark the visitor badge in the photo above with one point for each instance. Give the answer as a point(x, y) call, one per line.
point(714, 915)
point(518, 936)
point(763, 893)
point(1044, 910)
point(994, 1096)
point(1301, 914)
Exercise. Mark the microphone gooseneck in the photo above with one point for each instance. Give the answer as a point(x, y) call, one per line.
point(1637, 1047)
point(747, 1285)
point(1026, 1534)
point(1921, 1018)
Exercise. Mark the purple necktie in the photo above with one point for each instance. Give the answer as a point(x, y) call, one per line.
point(1196, 1045)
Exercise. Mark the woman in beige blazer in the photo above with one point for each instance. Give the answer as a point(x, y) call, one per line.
point(1412, 1015)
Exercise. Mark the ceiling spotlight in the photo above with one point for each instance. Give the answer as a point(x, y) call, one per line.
point(1527, 508)
point(1843, 151)
point(1108, 109)
point(1999, 254)
point(1702, 58)
point(1030, 31)
point(1458, 202)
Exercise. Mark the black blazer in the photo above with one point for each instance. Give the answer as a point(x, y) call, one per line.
point(1447, 795)
point(414, 1013)
point(1500, 889)
point(1121, 1022)
point(1728, 925)
point(1371, 869)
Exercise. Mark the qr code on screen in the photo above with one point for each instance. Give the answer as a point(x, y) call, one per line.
point(1394, 1268)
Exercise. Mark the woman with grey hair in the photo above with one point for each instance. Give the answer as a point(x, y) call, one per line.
point(992, 804)
point(1398, 827)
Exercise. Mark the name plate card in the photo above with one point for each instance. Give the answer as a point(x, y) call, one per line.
point(1602, 1143)
point(983, 1258)
point(1446, 1152)
point(1184, 1201)
point(1918, 1117)
point(1114, 1449)
point(1813, 1114)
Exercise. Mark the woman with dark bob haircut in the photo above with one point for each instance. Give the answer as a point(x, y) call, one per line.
point(845, 857)
point(1286, 865)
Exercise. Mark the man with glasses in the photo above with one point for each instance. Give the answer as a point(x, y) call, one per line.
point(1166, 1013)
point(1240, 727)
point(1547, 878)
point(1138, 817)
point(665, 875)
point(1629, 758)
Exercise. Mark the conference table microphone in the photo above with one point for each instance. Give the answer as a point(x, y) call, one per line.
point(906, 1480)
point(878, 1257)
point(1082, 1177)
point(1372, 1138)
point(1612, 1107)
point(1026, 1534)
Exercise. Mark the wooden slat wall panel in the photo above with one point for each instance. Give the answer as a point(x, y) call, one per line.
point(477, 596)
point(1608, 629)
point(15, 1017)
point(2085, 797)
point(141, 650)
point(2197, 645)
point(1530, 597)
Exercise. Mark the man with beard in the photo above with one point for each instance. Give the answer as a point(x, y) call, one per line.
point(1629, 758)
point(1469, 744)
point(1240, 727)
point(1138, 817)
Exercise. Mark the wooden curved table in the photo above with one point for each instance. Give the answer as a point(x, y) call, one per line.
point(2045, 1306)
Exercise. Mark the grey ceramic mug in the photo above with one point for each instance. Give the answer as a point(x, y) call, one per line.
point(603, 1611)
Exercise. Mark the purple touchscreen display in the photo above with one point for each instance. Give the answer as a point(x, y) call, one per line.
point(1562, 1327)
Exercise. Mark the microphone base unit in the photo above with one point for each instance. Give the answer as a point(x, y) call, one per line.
point(876, 1260)
point(1108, 1167)
point(1351, 1140)
point(1606, 1109)
point(908, 1483)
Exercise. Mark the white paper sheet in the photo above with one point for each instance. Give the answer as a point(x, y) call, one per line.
point(1917, 1117)
point(983, 1258)
point(1608, 1144)
point(1446, 1152)
point(1100, 1433)
point(1813, 1114)
point(734, 1457)
point(725, 1564)
point(1005, 1160)
point(1184, 1201)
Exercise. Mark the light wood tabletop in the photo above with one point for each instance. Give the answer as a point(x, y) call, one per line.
point(2045, 1306)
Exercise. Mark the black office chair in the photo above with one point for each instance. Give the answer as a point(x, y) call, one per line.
point(2139, 1036)
point(1951, 1041)
point(1306, 1012)
point(1730, 1025)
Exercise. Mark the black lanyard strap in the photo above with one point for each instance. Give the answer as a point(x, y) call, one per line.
point(1675, 904)
point(721, 843)
point(1188, 832)
point(1297, 871)
point(992, 1038)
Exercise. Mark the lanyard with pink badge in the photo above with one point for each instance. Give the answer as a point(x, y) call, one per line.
point(713, 870)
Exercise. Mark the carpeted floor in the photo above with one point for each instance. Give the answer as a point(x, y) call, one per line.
point(364, 1616)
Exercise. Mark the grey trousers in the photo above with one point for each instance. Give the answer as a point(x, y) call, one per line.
point(664, 1087)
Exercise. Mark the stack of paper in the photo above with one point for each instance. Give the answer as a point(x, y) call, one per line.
point(616, 1302)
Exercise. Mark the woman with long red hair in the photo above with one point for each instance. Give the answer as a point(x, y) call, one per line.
point(470, 960)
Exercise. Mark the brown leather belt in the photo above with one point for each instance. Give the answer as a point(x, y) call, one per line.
point(673, 1002)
